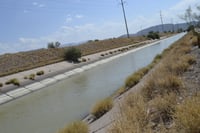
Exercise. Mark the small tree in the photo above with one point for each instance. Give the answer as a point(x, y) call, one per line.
point(57, 44)
point(153, 35)
point(50, 45)
point(53, 44)
point(73, 54)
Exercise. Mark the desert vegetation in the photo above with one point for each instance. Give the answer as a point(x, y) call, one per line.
point(13, 63)
point(14, 81)
point(1, 84)
point(101, 107)
point(163, 104)
point(39, 73)
point(75, 127)
point(153, 35)
point(53, 44)
point(32, 76)
point(73, 54)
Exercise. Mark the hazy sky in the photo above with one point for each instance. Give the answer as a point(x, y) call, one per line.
point(31, 24)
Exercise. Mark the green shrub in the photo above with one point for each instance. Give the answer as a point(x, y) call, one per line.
point(101, 107)
point(1, 84)
point(13, 81)
point(53, 45)
point(32, 76)
point(40, 73)
point(72, 54)
point(153, 35)
point(84, 60)
point(75, 127)
point(110, 52)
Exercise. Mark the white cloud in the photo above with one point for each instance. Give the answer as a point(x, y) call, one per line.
point(182, 5)
point(79, 16)
point(36, 4)
point(41, 5)
point(68, 19)
point(179, 9)
point(26, 11)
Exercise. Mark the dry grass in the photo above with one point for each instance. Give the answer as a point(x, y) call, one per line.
point(120, 91)
point(187, 115)
point(161, 84)
point(101, 107)
point(161, 109)
point(13, 63)
point(92, 47)
point(135, 77)
point(159, 105)
point(75, 127)
point(32, 76)
point(133, 117)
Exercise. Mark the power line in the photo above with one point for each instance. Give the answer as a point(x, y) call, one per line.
point(122, 3)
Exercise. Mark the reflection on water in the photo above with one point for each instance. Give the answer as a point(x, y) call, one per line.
point(51, 108)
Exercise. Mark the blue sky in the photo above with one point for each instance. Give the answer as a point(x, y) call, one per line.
point(31, 24)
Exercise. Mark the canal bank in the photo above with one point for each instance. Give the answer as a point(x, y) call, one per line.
point(28, 87)
point(55, 106)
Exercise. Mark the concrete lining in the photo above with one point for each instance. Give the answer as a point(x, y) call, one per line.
point(60, 77)
point(35, 86)
point(18, 92)
point(5, 98)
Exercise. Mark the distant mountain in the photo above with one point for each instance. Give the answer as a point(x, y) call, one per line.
point(165, 28)
point(158, 28)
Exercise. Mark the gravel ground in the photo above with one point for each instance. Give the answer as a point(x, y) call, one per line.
point(192, 76)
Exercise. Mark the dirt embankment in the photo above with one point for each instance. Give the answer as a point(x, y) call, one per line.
point(165, 100)
point(13, 63)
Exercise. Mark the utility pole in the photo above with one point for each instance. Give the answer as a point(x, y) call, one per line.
point(122, 3)
point(161, 18)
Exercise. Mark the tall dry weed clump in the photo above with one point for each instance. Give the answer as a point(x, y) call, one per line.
point(132, 117)
point(101, 107)
point(75, 127)
point(187, 115)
